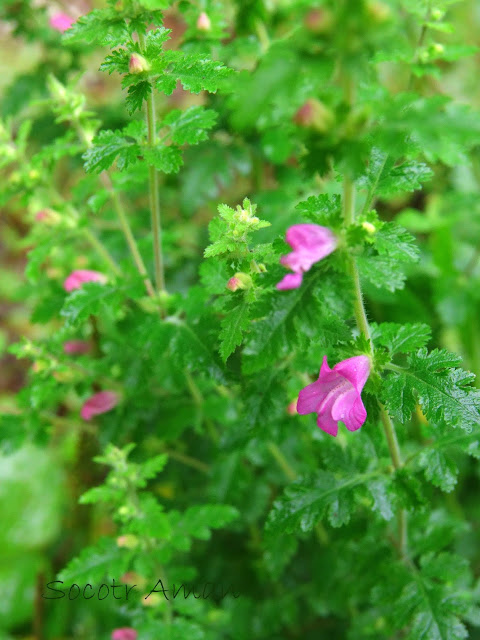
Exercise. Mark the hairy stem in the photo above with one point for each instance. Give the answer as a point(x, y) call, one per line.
point(154, 189)
point(364, 328)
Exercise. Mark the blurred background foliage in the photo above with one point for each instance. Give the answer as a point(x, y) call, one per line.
point(254, 151)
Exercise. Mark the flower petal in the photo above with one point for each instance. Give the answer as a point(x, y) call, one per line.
point(125, 633)
point(290, 281)
point(356, 370)
point(76, 346)
point(101, 402)
point(61, 22)
point(80, 276)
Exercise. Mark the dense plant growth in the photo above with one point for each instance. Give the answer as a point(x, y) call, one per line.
point(256, 218)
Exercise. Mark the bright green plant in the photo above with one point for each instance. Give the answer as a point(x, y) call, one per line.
point(157, 321)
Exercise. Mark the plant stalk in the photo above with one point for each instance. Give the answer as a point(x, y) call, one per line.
point(364, 328)
point(154, 192)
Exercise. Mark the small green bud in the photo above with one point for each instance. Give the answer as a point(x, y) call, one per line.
point(244, 280)
point(369, 227)
point(314, 114)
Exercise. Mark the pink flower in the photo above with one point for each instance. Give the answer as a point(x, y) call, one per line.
point(101, 402)
point(310, 243)
point(336, 395)
point(124, 634)
point(80, 276)
point(76, 346)
point(61, 22)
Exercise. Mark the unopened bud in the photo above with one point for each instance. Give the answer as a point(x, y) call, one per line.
point(245, 281)
point(138, 64)
point(233, 284)
point(437, 48)
point(204, 23)
point(314, 114)
point(292, 408)
point(438, 14)
point(369, 227)
point(48, 217)
point(318, 20)
point(129, 541)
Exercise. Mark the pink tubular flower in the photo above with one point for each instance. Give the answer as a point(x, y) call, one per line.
point(73, 347)
point(61, 22)
point(80, 276)
point(126, 633)
point(101, 402)
point(336, 395)
point(310, 243)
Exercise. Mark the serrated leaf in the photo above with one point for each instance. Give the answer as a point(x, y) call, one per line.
point(165, 159)
point(444, 391)
point(383, 264)
point(306, 501)
point(137, 94)
point(93, 564)
point(323, 209)
point(109, 146)
point(189, 126)
point(401, 338)
point(292, 320)
point(234, 324)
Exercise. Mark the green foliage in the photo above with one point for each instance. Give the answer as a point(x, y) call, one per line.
point(444, 391)
point(356, 116)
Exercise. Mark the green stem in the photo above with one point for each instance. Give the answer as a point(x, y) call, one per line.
point(364, 328)
point(102, 251)
point(122, 216)
point(188, 460)
point(154, 192)
point(129, 237)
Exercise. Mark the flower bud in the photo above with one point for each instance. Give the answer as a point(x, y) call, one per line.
point(369, 227)
point(438, 14)
point(318, 20)
point(204, 23)
point(292, 408)
point(233, 284)
point(138, 64)
point(48, 217)
point(314, 114)
point(128, 541)
point(244, 280)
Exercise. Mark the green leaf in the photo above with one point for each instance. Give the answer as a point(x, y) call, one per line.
point(292, 320)
point(196, 74)
point(105, 27)
point(165, 159)
point(444, 391)
point(439, 469)
point(234, 324)
point(189, 126)
point(383, 264)
point(137, 94)
point(323, 209)
point(400, 338)
point(95, 563)
point(91, 299)
point(433, 599)
point(109, 146)
point(306, 501)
